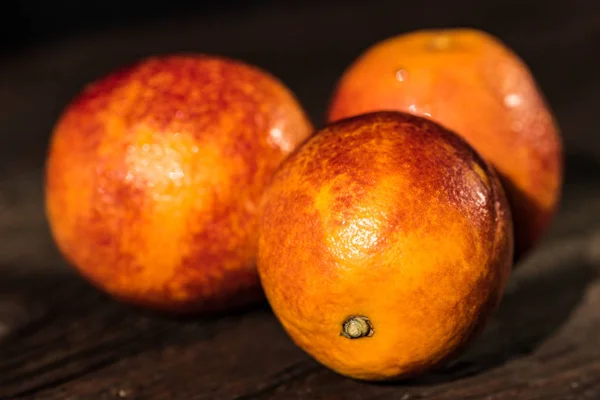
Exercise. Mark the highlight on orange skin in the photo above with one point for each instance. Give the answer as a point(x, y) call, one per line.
point(476, 86)
point(154, 178)
point(386, 243)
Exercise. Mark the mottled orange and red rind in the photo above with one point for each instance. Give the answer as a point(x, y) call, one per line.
point(476, 86)
point(392, 217)
point(154, 178)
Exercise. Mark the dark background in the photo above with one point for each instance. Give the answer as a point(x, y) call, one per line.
point(306, 43)
point(61, 339)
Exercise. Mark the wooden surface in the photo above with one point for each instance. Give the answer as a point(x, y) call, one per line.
point(61, 339)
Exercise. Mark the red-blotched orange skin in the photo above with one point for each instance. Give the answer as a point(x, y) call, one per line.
point(154, 178)
point(392, 217)
point(473, 84)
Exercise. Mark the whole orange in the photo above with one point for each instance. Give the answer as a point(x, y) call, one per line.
point(386, 243)
point(155, 174)
point(476, 86)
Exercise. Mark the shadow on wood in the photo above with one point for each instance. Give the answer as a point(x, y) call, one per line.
point(54, 328)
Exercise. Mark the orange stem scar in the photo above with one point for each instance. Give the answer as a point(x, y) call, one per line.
point(357, 326)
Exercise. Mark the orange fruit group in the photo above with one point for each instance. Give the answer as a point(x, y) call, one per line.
point(473, 84)
point(154, 178)
point(386, 243)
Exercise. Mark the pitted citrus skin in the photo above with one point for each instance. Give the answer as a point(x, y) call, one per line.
point(389, 217)
point(473, 84)
point(154, 178)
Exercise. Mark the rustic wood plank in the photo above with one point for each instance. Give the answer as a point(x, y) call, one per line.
point(75, 342)
point(62, 339)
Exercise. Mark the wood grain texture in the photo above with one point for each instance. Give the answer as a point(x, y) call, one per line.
point(62, 339)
